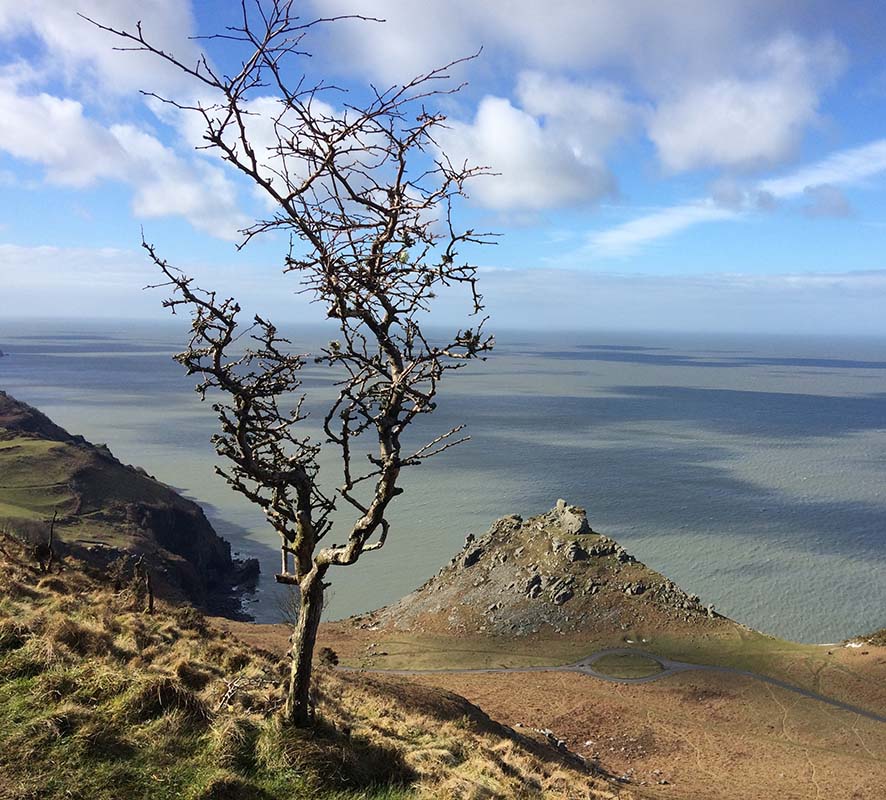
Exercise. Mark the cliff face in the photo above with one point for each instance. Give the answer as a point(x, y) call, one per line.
point(108, 510)
point(548, 574)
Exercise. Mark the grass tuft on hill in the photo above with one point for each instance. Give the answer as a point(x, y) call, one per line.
point(98, 700)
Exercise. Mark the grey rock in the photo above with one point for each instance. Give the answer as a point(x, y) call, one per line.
point(572, 519)
point(472, 557)
point(563, 596)
point(623, 555)
point(533, 586)
point(575, 552)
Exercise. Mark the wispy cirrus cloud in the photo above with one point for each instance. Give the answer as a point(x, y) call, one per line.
point(629, 236)
point(842, 168)
point(817, 183)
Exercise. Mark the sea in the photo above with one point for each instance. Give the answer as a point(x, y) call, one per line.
point(749, 469)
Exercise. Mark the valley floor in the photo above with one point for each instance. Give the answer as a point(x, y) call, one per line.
point(692, 735)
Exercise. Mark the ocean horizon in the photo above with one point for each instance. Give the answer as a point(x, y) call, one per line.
point(747, 468)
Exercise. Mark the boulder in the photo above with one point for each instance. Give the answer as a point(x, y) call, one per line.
point(572, 519)
point(563, 596)
point(533, 586)
point(575, 552)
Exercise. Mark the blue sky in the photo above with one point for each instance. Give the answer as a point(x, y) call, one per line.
point(684, 166)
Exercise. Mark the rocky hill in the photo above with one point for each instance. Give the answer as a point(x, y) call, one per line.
point(547, 574)
point(108, 511)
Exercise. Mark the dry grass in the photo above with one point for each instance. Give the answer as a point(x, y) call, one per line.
point(454, 749)
point(100, 701)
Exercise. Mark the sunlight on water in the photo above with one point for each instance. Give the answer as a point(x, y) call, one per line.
point(750, 470)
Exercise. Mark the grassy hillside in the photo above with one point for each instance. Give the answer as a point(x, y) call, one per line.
point(106, 508)
point(100, 701)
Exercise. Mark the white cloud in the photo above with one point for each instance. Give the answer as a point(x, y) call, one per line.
point(655, 40)
point(548, 152)
point(708, 80)
point(77, 151)
point(54, 132)
point(630, 236)
point(842, 168)
point(746, 122)
point(65, 135)
point(587, 116)
point(166, 184)
point(719, 86)
point(538, 168)
point(85, 55)
point(817, 183)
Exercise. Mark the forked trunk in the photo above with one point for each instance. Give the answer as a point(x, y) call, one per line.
point(298, 709)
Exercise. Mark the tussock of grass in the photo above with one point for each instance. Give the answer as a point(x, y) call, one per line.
point(82, 639)
point(12, 634)
point(233, 742)
point(52, 583)
point(98, 702)
point(18, 589)
point(191, 676)
point(452, 748)
point(229, 786)
point(152, 697)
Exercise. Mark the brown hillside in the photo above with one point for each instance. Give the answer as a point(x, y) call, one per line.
point(99, 702)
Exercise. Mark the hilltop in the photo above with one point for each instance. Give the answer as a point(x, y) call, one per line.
point(548, 575)
point(108, 511)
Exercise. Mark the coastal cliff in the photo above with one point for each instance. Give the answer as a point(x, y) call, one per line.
point(109, 512)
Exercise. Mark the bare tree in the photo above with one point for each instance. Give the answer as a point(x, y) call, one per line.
point(367, 197)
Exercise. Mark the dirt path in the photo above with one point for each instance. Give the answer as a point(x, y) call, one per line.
point(668, 667)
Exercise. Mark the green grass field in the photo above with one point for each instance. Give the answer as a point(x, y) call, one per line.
point(626, 666)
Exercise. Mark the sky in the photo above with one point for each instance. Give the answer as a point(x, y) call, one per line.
point(684, 165)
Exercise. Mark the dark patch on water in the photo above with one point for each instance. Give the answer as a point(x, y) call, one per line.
point(643, 356)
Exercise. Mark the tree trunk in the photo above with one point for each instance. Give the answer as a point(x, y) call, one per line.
point(298, 709)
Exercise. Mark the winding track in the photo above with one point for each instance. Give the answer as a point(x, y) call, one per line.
point(668, 667)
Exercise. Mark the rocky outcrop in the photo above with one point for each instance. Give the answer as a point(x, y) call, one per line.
point(549, 573)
